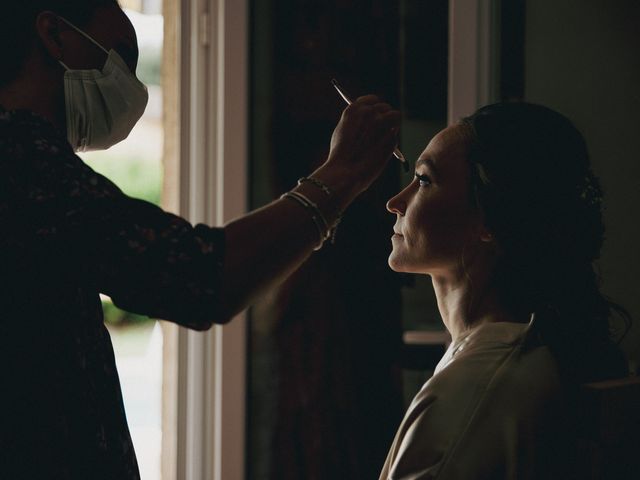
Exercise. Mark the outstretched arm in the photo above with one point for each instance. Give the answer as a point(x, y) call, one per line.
point(265, 246)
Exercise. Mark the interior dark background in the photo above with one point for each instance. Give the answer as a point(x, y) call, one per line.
point(329, 376)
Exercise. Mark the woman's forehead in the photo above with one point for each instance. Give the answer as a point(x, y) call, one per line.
point(449, 147)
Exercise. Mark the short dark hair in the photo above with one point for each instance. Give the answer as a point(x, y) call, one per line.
point(531, 176)
point(18, 28)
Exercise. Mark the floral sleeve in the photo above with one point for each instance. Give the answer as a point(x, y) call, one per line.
point(147, 260)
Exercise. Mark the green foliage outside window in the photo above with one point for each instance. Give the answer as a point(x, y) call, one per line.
point(133, 166)
point(149, 69)
point(136, 176)
point(114, 316)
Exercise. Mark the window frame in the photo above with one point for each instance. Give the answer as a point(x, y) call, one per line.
point(474, 56)
point(210, 402)
point(210, 367)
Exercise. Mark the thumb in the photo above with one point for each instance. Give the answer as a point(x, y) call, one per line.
point(390, 139)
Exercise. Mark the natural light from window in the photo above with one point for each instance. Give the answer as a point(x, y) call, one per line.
point(135, 165)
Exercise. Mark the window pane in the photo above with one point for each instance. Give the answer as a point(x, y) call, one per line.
point(135, 165)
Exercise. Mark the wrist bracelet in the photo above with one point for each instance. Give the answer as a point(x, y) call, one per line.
point(318, 183)
point(316, 215)
point(334, 229)
point(312, 206)
point(325, 188)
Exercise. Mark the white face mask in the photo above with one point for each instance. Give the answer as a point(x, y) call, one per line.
point(102, 106)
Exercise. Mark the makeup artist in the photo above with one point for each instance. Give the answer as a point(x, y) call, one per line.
point(68, 84)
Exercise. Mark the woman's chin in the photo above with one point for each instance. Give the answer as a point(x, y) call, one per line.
point(396, 264)
point(401, 264)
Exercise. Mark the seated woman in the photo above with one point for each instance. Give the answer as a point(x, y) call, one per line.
point(504, 214)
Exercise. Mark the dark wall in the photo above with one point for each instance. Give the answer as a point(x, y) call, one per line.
point(581, 58)
point(325, 396)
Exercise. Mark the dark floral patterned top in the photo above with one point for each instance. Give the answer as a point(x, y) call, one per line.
point(66, 235)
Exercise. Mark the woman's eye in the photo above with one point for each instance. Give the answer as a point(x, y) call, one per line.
point(423, 180)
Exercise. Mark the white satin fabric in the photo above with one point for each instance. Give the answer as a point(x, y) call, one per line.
point(490, 411)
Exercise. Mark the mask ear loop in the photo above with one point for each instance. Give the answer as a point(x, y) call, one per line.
point(87, 36)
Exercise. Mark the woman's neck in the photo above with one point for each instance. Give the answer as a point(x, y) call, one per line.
point(467, 297)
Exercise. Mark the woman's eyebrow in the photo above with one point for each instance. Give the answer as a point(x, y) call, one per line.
point(429, 163)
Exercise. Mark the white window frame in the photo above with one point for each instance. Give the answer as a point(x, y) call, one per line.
point(474, 63)
point(213, 173)
point(213, 52)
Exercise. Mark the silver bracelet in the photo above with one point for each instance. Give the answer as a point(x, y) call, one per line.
point(318, 183)
point(325, 188)
point(334, 229)
point(311, 205)
point(318, 219)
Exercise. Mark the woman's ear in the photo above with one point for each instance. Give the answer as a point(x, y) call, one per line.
point(481, 230)
point(486, 235)
point(48, 29)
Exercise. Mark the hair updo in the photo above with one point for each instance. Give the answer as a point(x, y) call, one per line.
point(531, 176)
point(18, 31)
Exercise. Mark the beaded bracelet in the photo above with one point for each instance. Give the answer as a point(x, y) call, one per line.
point(314, 181)
point(316, 215)
point(311, 205)
point(325, 188)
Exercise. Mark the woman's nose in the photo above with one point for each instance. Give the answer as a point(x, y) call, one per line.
point(396, 205)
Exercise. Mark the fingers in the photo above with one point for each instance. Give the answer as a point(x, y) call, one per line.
point(367, 100)
point(390, 119)
point(364, 125)
point(382, 107)
point(368, 122)
point(368, 105)
point(389, 140)
point(365, 137)
point(373, 101)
